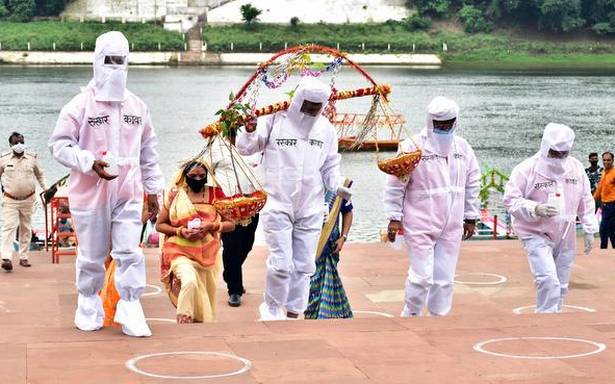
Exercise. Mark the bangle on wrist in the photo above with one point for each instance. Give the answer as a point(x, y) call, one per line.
point(178, 231)
point(344, 237)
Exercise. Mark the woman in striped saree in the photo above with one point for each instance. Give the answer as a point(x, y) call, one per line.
point(190, 260)
point(327, 295)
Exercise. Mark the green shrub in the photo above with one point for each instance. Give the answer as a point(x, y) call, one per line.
point(417, 22)
point(50, 7)
point(474, 20)
point(3, 10)
point(249, 14)
point(20, 10)
point(438, 8)
point(603, 29)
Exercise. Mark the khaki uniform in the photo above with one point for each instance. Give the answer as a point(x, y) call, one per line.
point(18, 176)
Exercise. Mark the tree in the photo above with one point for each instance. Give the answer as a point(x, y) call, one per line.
point(561, 15)
point(603, 29)
point(50, 7)
point(417, 22)
point(436, 8)
point(474, 20)
point(294, 22)
point(3, 10)
point(20, 10)
point(249, 14)
point(594, 11)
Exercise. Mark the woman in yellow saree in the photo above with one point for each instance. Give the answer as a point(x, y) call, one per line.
point(190, 260)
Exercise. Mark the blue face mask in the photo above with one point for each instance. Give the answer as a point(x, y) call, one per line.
point(440, 131)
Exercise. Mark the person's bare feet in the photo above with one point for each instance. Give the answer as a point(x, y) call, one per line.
point(184, 319)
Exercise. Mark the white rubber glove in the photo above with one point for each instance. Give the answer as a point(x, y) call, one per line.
point(344, 193)
point(589, 243)
point(546, 210)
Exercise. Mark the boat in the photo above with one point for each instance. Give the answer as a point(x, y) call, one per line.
point(347, 125)
point(347, 144)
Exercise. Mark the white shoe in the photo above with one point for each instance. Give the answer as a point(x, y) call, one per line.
point(130, 315)
point(90, 314)
point(407, 313)
point(271, 313)
point(560, 305)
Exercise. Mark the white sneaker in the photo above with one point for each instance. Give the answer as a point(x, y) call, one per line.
point(407, 313)
point(130, 315)
point(560, 305)
point(271, 314)
point(90, 314)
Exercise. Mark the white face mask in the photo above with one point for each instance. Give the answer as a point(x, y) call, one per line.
point(18, 148)
point(111, 83)
point(556, 166)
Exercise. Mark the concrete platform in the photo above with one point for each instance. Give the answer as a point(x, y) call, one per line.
point(40, 345)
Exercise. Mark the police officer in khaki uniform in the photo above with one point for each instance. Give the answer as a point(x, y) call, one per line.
point(18, 170)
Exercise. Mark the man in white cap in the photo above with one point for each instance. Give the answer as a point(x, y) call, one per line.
point(105, 136)
point(18, 170)
point(436, 207)
point(300, 159)
point(544, 196)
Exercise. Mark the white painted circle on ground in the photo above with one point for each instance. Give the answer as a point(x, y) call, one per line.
point(520, 310)
point(499, 279)
point(161, 319)
point(383, 314)
point(132, 365)
point(479, 347)
point(157, 290)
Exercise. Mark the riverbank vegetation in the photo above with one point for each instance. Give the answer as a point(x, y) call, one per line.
point(23, 10)
point(75, 36)
point(400, 37)
point(561, 16)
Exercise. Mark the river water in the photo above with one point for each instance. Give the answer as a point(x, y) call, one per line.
point(503, 113)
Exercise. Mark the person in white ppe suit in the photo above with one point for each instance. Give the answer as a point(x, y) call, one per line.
point(436, 207)
point(544, 196)
point(105, 136)
point(300, 159)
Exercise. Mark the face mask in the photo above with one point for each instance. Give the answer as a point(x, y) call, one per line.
point(110, 82)
point(556, 166)
point(440, 131)
point(18, 148)
point(195, 184)
point(117, 84)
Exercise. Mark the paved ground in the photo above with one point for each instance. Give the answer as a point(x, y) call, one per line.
point(40, 345)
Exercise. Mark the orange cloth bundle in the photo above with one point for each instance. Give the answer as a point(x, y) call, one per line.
point(108, 294)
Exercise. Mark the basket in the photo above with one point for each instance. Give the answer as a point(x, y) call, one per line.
point(241, 209)
point(401, 165)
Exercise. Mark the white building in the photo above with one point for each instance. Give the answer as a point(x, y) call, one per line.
point(183, 14)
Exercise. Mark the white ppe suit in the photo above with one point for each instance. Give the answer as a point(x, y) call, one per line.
point(107, 118)
point(440, 194)
point(300, 159)
point(550, 241)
